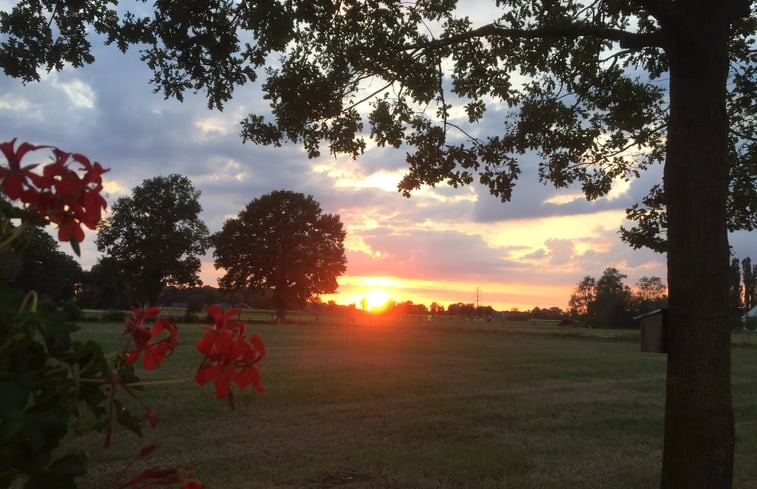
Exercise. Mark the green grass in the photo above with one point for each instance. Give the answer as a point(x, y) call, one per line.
point(368, 404)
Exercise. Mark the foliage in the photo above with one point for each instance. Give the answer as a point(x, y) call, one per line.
point(579, 64)
point(581, 298)
point(103, 288)
point(36, 263)
point(650, 294)
point(155, 237)
point(750, 283)
point(282, 242)
point(734, 290)
point(71, 310)
point(609, 303)
point(55, 388)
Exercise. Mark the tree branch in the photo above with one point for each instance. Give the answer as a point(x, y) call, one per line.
point(627, 40)
point(659, 9)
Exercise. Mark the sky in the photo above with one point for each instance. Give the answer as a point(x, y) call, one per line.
point(442, 245)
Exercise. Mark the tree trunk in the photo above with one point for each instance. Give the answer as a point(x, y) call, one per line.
point(699, 423)
point(279, 305)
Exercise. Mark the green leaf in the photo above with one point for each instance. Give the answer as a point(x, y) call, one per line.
point(71, 465)
point(75, 247)
point(126, 419)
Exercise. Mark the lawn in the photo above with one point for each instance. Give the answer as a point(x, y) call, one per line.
point(366, 404)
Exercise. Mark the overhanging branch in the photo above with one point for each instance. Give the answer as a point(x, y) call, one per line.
point(627, 40)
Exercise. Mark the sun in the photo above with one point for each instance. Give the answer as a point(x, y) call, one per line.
point(375, 299)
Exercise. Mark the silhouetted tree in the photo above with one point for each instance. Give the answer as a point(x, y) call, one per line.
point(282, 242)
point(734, 289)
point(750, 283)
point(155, 236)
point(105, 287)
point(611, 304)
point(649, 294)
point(584, 294)
point(460, 309)
point(37, 263)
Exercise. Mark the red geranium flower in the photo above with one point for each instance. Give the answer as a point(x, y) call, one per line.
point(14, 178)
point(59, 194)
point(147, 340)
point(229, 357)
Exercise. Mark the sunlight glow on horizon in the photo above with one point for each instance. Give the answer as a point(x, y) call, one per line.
point(501, 296)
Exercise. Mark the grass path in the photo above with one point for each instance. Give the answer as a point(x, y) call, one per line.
point(374, 406)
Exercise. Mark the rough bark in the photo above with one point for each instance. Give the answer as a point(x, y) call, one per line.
point(699, 422)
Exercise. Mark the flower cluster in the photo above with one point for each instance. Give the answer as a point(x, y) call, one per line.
point(228, 355)
point(147, 340)
point(57, 194)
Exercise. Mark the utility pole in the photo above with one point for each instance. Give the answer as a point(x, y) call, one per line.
point(478, 295)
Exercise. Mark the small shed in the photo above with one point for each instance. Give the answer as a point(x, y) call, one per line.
point(653, 331)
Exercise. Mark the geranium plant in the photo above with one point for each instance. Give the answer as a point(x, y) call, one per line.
point(55, 387)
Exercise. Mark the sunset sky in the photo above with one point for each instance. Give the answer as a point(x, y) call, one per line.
point(442, 245)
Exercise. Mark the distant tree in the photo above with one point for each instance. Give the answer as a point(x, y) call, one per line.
point(749, 276)
point(649, 294)
point(555, 313)
point(484, 312)
point(105, 287)
point(282, 242)
point(734, 289)
point(155, 237)
point(611, 304)
point(364, 304)
point(583, 295)
point(460, 309)
point(435, 308)
point(38, 264)
point(406, 308)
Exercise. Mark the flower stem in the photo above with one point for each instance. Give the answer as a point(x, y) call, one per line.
point(30, 296)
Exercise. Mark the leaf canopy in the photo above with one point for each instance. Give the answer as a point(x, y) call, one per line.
point(282, 242)
point(580, 83)
point(155, 237)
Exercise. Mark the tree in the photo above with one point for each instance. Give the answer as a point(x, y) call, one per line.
point(38, 264)
point(750, 283)
point(649, 294)
point(611, 304)
point(734, 289)
point(155, 237)
point(584, 83)
point(282, 242)
point(582, 297)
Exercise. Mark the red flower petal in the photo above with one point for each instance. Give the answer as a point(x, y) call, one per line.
point(205, 374)
point(222, 387)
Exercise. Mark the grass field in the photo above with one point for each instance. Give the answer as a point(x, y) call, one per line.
point(367, 404)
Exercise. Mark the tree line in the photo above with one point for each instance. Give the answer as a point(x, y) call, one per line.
point(742, 291)
point(609, 303)
point(281, 251)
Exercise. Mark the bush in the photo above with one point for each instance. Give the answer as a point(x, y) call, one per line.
point(71, 310)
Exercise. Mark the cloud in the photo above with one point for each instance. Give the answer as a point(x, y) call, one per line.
point(440, 244)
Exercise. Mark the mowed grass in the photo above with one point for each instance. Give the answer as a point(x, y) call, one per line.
point(369, 404)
